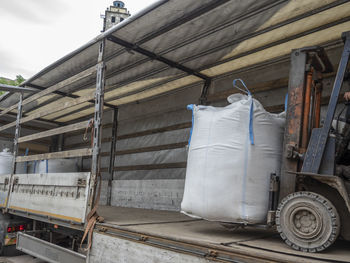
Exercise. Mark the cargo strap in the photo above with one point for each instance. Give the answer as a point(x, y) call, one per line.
point(92, 219)
point(191, 107)
point(251, 112)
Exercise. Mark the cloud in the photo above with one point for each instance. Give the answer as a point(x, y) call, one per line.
point(10, 66)
point(34, 11)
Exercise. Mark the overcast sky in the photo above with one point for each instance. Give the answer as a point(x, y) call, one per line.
point(35, 33)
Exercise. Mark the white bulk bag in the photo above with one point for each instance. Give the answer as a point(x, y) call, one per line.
point(227, 176)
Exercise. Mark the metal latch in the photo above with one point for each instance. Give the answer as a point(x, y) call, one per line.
point(81, 182)
point(291, 152)
point(143, 238)
point(16, 180)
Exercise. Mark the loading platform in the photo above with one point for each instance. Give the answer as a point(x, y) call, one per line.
point(183, 235)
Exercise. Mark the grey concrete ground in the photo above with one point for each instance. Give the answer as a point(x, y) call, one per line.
point(20, 259)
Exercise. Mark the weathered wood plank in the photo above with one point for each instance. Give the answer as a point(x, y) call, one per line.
point(46, 112)
point(35, 147)
point(150, 166)
point(104, 126)
point(77, 145)
point(29, 127)
point(145, 167)
point(60, 130)
point(53, 88)
point(157, 130)
point(55, 155)
point(146, 132)
point(148, 149)
point(11, 136)
point(138, 134)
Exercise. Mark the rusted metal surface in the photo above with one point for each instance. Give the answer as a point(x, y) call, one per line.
point(306, 113)
point(319, 137)
point(294, 118)
point(296, 136)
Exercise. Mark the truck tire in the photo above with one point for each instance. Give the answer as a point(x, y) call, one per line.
point(307, 221)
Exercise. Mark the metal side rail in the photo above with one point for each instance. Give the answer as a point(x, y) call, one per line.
point(46, 250)
point(207, 252)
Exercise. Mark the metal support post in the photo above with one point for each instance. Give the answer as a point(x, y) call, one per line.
point(96, 148)
point(294, 118)
point(112, 155)
point(15, 146)
point(204, 94)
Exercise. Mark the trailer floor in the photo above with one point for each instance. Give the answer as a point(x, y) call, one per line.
point(174, 226)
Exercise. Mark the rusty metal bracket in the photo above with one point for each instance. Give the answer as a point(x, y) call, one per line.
point(144, 238)
point(212, 254)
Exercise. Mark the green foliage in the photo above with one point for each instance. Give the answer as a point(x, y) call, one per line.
point(19, 79)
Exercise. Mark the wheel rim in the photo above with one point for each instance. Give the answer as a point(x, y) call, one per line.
point(306, 222)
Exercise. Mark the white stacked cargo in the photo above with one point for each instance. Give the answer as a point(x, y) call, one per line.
point(233, 151)
point(6, 158)
point(57, 166)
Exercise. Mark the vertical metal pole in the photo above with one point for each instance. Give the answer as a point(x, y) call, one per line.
point(294, 118)
point(96, 148)
point(15, 147)
point(306, 112)
point(204, 94)
point(112, 155)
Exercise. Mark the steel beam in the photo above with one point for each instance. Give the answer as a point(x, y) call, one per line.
point(47, 251)
point(112, 156)
point(203, 97)
point(15, 146)
point(12, 89)
point(97, 132)
point(157, 57)
point(294, 118)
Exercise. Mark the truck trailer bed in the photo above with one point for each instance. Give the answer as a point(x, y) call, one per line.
point(142, 235)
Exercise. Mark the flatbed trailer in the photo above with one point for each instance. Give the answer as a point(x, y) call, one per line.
point(164, 234)
point(145, 235)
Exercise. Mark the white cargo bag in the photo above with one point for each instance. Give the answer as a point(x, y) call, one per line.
point(233, 151)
